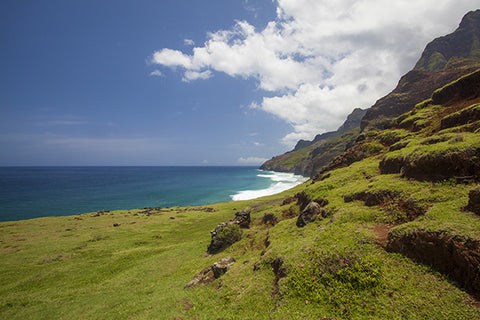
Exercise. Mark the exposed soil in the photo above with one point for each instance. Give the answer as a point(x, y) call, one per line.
point(391, 202)
point(381, 232)
point(436, 167)
point(279, 271)
point(452, 255)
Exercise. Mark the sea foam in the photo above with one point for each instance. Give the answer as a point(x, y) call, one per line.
point(281, 182)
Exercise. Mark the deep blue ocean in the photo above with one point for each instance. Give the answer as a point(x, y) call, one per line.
point(31, 192)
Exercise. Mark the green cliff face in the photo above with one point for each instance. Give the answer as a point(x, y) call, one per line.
point(444, 60)
point(463, 44)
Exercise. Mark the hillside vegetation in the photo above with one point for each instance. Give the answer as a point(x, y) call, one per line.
point(374, 236)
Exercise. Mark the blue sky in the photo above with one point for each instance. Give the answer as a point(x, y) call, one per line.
point(176, 82)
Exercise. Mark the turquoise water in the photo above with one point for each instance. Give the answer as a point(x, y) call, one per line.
point(31, 192)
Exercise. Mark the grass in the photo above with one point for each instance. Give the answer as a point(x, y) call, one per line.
point(82, 267)
point(134, 265)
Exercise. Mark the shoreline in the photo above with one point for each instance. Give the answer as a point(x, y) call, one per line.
point(48, 203)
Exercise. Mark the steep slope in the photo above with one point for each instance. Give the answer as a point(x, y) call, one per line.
point(463, 43)
point(352, 122)
point(443, 60)
point(414, 87)
point(309, 155)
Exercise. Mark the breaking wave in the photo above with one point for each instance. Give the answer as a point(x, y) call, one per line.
point(281, 182)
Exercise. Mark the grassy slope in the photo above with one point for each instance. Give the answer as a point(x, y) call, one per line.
point(84, 267)
point(87, 269)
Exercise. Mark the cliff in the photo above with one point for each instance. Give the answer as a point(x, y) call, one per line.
point(417, 85)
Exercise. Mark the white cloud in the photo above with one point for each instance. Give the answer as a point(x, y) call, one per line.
point(194, 75)
point(251, 160)
point(189, 42)
point(171, 58)
point(320, 58)
point(156, 73)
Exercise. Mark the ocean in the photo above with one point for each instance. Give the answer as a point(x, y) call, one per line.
point(32, 192)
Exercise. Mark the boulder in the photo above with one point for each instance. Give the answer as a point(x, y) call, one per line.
point(209, 274)
point(310, 214)
point(219, 268)
point(242, 218)
point(203, 277)
point(224, 235)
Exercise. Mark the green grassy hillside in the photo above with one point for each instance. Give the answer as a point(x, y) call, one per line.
point(388, 243)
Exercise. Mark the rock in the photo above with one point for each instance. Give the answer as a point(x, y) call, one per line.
point(309, 214)
point(209, 274)
point(224, 235)
point(474, 201)
point(321, 202)
point(203, 277)
point(219, 268)
point(227, 233)
point(242, 218)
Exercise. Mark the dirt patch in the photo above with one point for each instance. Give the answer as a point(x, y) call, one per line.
point(187, 304)
point(400, 209)
point(452, 255)
point(381, 231)
point(270, 219)
point(279, 271)
point(473, 201)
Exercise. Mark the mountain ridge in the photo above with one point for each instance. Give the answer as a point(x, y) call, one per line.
point(308, 158)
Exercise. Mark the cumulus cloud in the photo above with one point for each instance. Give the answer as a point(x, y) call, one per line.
point(252, 160)
point(321, 59)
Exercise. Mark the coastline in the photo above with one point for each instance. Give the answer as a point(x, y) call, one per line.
point(33, 192)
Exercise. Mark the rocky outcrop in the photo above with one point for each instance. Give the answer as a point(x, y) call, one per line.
point(209, 274)
point(474, 201)
point(227, 233)
point(455, 256)
point(242, 218)
point(310, 214)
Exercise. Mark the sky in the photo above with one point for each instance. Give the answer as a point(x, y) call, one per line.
point(214, 82)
